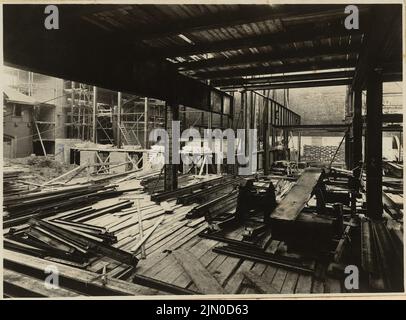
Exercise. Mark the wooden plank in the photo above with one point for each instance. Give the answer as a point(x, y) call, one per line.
point(291, 205)
point(262, 285)
point(304, 284)
point(27, 286)
point(144, 239)
point(157, 259)
point(234, 283)
point(226, 269)
point(204, 281)
point(87, 279)
point(279, 278)
point(267, 273)
point(201, 251)
point(290, 282)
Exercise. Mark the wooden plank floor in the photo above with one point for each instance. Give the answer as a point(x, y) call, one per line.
point(178, 232)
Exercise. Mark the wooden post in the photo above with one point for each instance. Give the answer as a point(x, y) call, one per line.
point(266, 137)
point(347, 152)
point(40, 138)
point(357, 131)
point(141, 230)
point(374, 145)
point(118, 119)
point(146, 123)
point(170, 169)
point(299, 145)
point(72, 108)
point(94, 132)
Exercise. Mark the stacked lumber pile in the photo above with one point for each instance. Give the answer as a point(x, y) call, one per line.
point(21, 207)
point(215, 207)
point(154, 183)
point(13, 181)
point(68, 238)
point(200, 192)
point(322, 153)
point(382, 256)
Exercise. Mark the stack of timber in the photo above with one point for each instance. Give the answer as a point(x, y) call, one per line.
point(67, 242)
point(215, 207)
point(68, 238)
point(382, 256)
point(13, 183)
point(154, 183)
point(193, 189)
point(210, 192)
point(19, 208)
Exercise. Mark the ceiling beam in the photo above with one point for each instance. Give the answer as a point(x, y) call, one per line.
point(291, 85)
point(284, 78)
point(245, 15)
point(223, 19)
point(289, 36)
point(334, 126)
point(276, 55)
point(297, 67)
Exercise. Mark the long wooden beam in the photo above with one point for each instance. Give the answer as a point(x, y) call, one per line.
point(337, 126)
point(296, 84)
point(244, 15)
point(297, 67)
point(298, 34)
point(81, 280)
point(295, 200)
point(275, 55)
point(222, 19)
point(284, 78)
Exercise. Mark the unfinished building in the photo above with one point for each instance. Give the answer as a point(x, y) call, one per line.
point(206, 149)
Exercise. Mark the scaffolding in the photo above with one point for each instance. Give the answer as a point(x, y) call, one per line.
point(120, 119)
point(79, 109)
point(138, 116)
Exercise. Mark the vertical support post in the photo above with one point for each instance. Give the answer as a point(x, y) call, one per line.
point(94, 135)
point(72, 108)
point(357, 131)
point(40, 138)
point(266, 137)
point(374, 145)
point(170, 169)
point(146, 123)
point(299, 145)
point(141, 229)
point(118, 119)
point(347, 149)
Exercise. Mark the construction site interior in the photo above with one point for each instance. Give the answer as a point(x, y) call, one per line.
point(86, 187)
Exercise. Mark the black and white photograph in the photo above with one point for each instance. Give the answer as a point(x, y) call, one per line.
point(199, 149)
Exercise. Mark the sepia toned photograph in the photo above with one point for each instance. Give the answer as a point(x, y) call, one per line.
point(193, 150)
